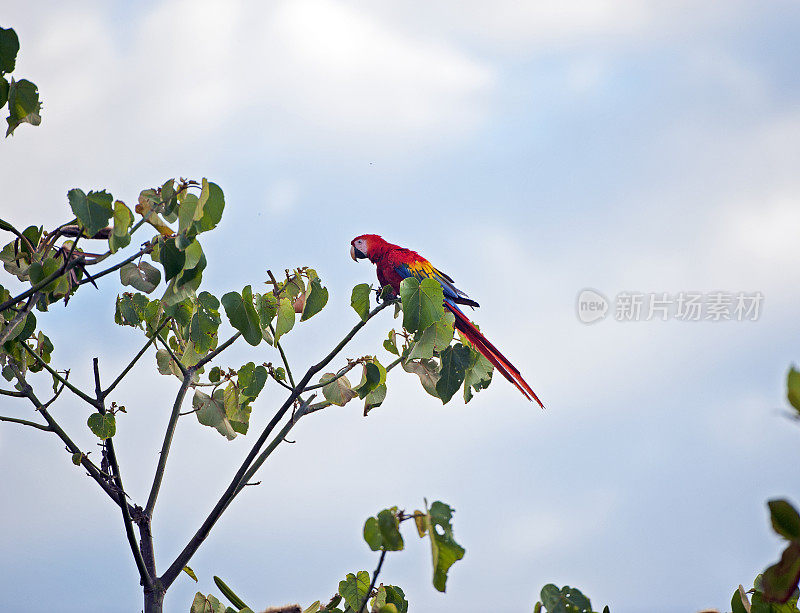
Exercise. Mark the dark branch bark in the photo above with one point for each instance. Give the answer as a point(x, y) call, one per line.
point(147, 580)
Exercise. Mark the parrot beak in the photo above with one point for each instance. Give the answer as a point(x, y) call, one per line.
point(353, 253)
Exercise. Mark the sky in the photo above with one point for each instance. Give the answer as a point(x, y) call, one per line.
point(531, 150)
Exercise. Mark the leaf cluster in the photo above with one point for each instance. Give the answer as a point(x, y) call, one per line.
point(22, 96)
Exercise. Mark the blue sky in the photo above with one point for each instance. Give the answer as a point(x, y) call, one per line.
point(531, 150)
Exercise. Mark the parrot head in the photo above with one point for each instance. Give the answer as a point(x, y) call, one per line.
point(360, 246)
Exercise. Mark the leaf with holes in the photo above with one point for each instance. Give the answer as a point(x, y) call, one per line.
point(444, 549)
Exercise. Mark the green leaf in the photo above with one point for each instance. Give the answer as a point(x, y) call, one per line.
point(434, 338)
point(4, 89)
point(190, 572)
point(206, 604)
point(171, 258)
point(242, 314)
point(211, 205)
point(123, 219)
point(737, 601)
point(785, 520)
point(23, 105)
point(383, 531)
point(316, 299)
point(314, 607)
point(205, 323)
point(230, 594)
point(214, 374)
point(251, 379)
point(360, 300)
point(374, 374)
point(285, 321)
point(237, 409)
point(144, 277)
point(211, 412)
point(77, 458)
point(9, 47)
point(427, 371)
point(92, 210)
point(390, 530)
point(567, 599)
point(390, 344)
point(396, 597)
point(422, 303)
point(102, 424)
point(793, 388)
point(131, 309)
point(354, 589)
point(372, 533)
point(454, 363)
point(375, 398)
point(166, 365)
point(444, 549)
point(478, 374)
point(338, 391)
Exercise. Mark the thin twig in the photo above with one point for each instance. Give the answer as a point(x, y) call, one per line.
point(165, 446)
point(216, 351)
point(94, 472)
point(63, 381)
point(227, 496)
point(283, 357)
point(147, 248)
point(25, 422)
point(13, 393)
point(374, 579)
point(135, 359)
point(342, 372)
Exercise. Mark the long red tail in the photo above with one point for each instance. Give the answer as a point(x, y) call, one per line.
point(491, 353)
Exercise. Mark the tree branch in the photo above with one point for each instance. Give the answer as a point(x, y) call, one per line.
point(63, 381)
point(147, 248)
point(95, 473)
point(66, 266)
point(135, 359)
point(185, 555)
point(25, 422)
point(216, 352)
point(374, 579)
point(22, 314)
point(165, 446)
point(147, 581)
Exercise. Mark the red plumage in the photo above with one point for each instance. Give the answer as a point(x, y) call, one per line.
point(395, 263)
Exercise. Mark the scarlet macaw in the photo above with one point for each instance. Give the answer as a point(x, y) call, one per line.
point(396, 263)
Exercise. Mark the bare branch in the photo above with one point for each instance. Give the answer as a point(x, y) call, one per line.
point(25, 422)
point(165, 446)
point(63, 380)
point(147, 581)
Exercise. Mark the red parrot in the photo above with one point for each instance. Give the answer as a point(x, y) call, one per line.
point(396, 263)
